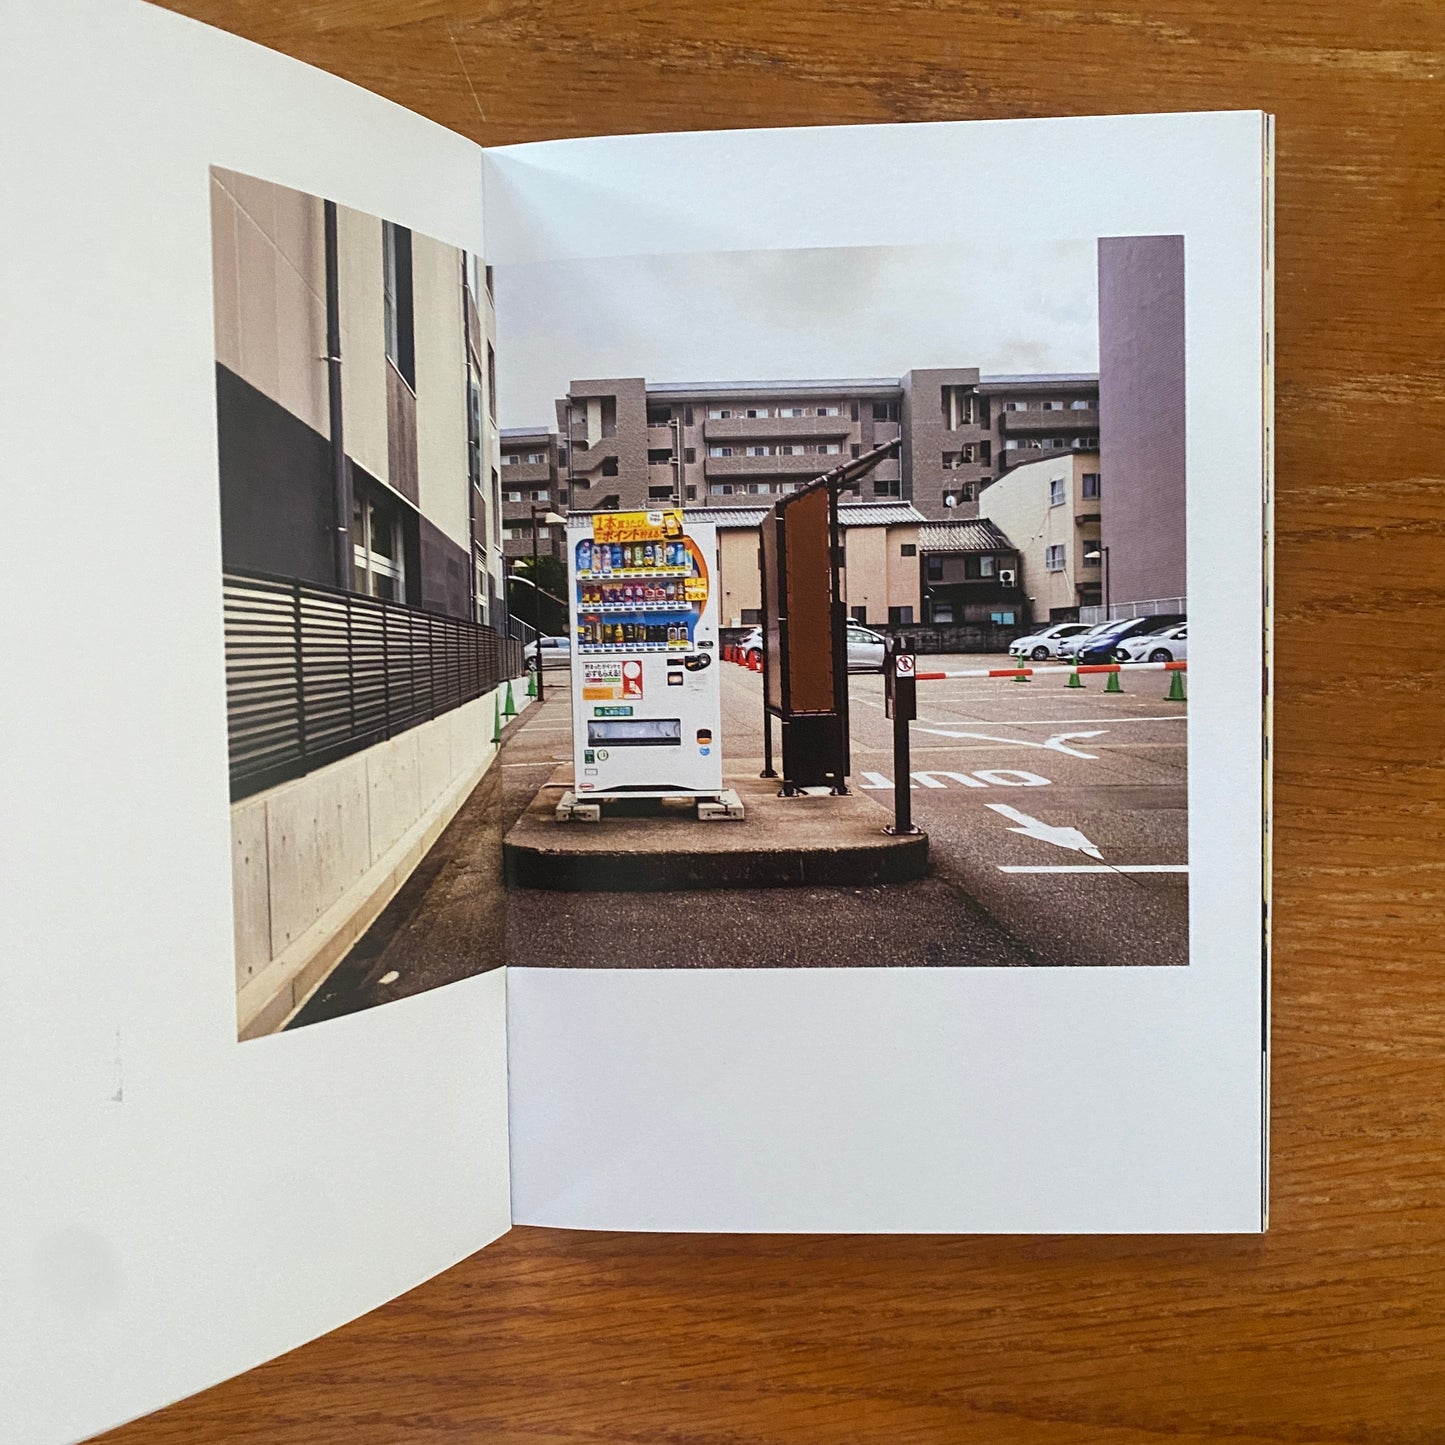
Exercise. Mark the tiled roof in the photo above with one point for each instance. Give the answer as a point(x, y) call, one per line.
point(850, 514)
point(978, 535)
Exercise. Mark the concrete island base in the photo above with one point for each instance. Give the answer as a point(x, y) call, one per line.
point(648, 846)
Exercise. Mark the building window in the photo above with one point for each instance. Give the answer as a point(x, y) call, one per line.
point(659, 493)
point(1091, 485)
point(396, 300)
point(1054, 558)
point(908, 549)
point(608, 503)
point(960, 407)
point(933, 568)
point(511, 459)
point(752, 616)
point(719, 413)
point(827, 411)
point(853, 411)
point(689, 454)
point(659, 415)
point(860, 614)
point(1089, 444)
point(900, 616)
point(687, 416)
point(986, 565)
point(983, 482)
point(692, 494)
point(885, 411)
point(942, 611)
point(474, 427)
point(856, 449)
point(1092, 554)
point(885, 488)
point(1015, 406)
point(1004, 619)
point(541, 495)
point(1051, 406)
point(716, 451)
point(378, 549)
point(1056, 492)
point(659, 456)
point(609, 466)
point(491, 381)
point(1078, 405)
point(511, 496)
point(487, 271)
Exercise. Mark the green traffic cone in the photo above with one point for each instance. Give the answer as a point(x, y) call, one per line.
point(531, 682)
point(1113, 684)
point(496, 721)
point(1176, 688)
point(509, 709)
point(1074, 679)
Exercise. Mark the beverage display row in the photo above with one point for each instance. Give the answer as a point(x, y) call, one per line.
point(593, 634)
point(602, 558)
point(629, 596)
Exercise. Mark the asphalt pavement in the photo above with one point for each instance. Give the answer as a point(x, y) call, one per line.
point(1057, 821)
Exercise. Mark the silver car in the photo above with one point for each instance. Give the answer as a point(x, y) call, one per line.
point(865, 647)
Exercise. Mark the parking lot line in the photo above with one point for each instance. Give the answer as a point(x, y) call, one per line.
point(1095, 868)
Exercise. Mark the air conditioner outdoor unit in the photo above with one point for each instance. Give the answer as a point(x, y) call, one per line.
point(1007, 577)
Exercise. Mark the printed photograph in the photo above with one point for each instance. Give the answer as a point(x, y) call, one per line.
point(370, 666)
point(861, 607)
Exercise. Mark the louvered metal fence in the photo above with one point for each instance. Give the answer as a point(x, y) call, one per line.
point(314, 673)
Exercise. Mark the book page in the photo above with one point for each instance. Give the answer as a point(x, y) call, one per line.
point(253, 675)
point(1030, 357)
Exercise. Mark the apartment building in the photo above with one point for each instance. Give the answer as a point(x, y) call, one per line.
point(1142, 438)
point(1050, 509)
point(969, 572)
point(531, 478)
point(627, 443)
point(880, 568)
point(409, 439)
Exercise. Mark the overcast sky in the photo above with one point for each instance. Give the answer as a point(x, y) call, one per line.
point(779, 315)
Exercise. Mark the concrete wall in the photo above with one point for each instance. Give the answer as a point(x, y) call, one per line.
point(269, 269)
point(363, 341)
point(441, 388)
point(1141, 415)
point(314, 861)
point(738, 573)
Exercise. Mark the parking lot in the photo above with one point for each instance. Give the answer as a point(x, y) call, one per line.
point(1057, 821)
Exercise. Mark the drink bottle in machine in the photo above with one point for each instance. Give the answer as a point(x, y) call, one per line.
point(646, 706)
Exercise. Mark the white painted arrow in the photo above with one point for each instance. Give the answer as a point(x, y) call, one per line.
point(1046, 832)
point(1056, 744)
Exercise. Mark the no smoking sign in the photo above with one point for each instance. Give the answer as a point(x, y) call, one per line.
point(905, 662)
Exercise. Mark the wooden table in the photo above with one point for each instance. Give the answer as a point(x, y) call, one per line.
point(1331, 1328)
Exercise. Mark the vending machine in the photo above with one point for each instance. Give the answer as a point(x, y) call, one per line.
point(646, 700)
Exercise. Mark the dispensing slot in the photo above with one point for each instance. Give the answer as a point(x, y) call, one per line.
point(642, 732)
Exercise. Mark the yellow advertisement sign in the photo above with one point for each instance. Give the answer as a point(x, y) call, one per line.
point(636, 526)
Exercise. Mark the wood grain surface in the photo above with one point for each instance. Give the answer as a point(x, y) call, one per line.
point(1331, 1328)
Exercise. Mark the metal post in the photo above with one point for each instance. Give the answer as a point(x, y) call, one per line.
point(537, 605)
point(900, 702)
point(340, 476)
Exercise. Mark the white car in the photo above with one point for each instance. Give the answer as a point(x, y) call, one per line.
point(556, 652)
point(865, 647)
point(1170, 645)
point(1043, 645)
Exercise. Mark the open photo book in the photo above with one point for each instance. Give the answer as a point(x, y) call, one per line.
point(692, 682)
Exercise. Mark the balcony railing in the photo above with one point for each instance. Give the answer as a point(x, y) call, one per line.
point(314, 674)
point(761, 428)
point(1035, 422)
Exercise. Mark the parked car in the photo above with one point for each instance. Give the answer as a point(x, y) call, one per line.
point(865, 647)
point(1104, 641)
point(556, 652)
point(1045, 644)
point(1170, 645)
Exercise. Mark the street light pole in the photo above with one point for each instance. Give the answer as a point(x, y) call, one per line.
point(550, 517)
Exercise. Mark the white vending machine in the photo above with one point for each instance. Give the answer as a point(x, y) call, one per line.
point(646, 685)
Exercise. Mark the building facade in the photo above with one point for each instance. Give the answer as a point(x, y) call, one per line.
point(415, 414)
point(880, 567)
point(1050, 509)
point(968, 573)
point(626, 443)
point(1142, 415)
point(530, 478)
